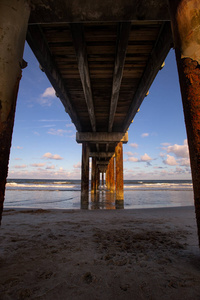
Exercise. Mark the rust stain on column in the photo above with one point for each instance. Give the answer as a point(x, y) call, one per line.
point(119, 173)
point(85, 176)
point(14, 16)
point(185, 16)
point(112, 175)
point(108, 176)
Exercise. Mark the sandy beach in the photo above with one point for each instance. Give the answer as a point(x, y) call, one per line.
point(101, 254)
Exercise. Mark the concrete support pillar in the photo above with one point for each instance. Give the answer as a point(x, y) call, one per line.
point(185, 22)
point(14, 15)
point(85, 176)
point(119, 174)
point(93, 175)
point(112, 174)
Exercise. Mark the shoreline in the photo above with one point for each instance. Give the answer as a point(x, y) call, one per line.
point(150, 253)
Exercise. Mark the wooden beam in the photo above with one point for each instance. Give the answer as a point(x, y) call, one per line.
point(101, 137)
point(121, 47)
point(102, 162)
point(160, 51)
point(59, 11)
point(97, 147)
point(39, 46)
point(81, 54)
point(101, 154)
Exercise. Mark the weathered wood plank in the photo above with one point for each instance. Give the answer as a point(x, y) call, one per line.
point(81, 53)
point(59, 11)
point(121, 47)
point(101, 137)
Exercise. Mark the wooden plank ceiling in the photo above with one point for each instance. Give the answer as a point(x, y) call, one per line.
point(101, 71)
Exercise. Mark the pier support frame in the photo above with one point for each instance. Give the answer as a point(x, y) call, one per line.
point(119, 175)
point(112, 174)
point(14, 15)
point(108, 177)
point(185, 22)
point(93, 176)
point(85, 176)
point(102, 181)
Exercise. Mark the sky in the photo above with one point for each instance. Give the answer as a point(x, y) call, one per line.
point(44, 144)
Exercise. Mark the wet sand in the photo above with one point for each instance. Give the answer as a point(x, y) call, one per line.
point(101, 254)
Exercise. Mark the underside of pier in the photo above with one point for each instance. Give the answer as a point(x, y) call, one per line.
point(101, 57)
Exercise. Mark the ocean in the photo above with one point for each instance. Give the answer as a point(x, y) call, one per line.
point(65, 194)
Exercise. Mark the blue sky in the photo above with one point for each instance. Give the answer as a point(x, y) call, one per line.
point(44, 145)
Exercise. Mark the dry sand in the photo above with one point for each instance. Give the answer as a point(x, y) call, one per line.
point(121, 254)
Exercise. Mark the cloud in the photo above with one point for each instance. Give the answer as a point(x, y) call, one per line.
point(48, 155)
point(38, 165)
point(77, 166)
point(50, 167)
point(165, 144)
point(59, 132)
point(145, 135)
point(70, 125)
point(36, 133)
point(49, 92)
point(133, 159)
point(134, 145)
point(145, 157)
point(46, 98)
point(170, 161)
point(129, 153)
point(185, 162)
point(20, 166)
point(179, 150)
point(17, 158)
point(18, 147)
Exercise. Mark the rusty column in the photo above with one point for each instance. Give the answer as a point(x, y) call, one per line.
point(108, 176)
point(14, 15)
point(112, 175)
point(85, 176)
point(185, 20)
point(93, 175)
point(119, 174)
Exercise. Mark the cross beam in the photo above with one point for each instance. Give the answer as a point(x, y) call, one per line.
point(45, 11)
point(101, 137)
point(81, 54)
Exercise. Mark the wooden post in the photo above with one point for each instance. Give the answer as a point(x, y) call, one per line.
point(14, 15)
point(112, 175)
point(97, 178)
point(119, 173)
point(93, 175)
point(108, 175)
point(85, 176)
point(102, 182)
point(185, 22)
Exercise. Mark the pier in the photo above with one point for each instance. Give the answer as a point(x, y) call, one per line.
point(101, 57)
